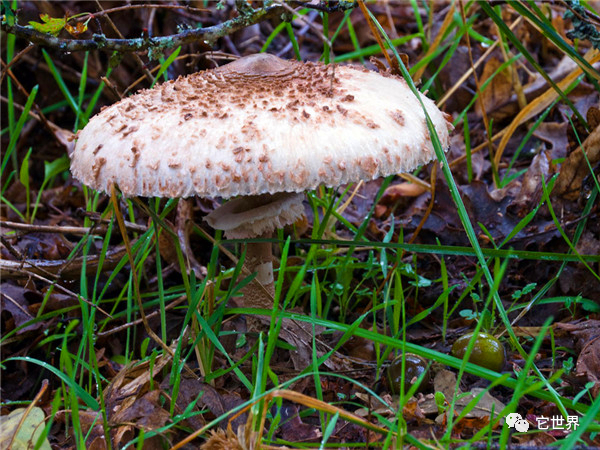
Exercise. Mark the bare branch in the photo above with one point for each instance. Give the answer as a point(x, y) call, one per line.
point(101, 42)
point(208, 35)
point(328, 7)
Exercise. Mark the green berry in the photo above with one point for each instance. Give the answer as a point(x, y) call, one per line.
point(487, 351)
point(414, 366)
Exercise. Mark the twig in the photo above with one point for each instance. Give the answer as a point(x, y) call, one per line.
point(143, 6)
point(26, 94)
point(308, 24)
point(123, 327)
point(62, 136)
point(77, 231)
point(101, 42)
point(138, 60)
point(590, 14)
point(13, 251)
point(17, 57)
point(324, 6)
point(59, 267)
point(52, 283)
point(179, 58)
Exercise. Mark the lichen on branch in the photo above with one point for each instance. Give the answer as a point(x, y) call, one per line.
point(158, 44)
point(100, 42)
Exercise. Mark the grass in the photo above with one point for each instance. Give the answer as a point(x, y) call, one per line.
point(330, 277)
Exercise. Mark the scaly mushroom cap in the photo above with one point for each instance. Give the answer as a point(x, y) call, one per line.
point(258, 125)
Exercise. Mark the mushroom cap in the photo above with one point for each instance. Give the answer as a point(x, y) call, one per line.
point(257, 125)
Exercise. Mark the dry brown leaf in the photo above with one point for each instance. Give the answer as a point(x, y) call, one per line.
point(470, 424)
point(300, 335)
point(445, 382)
point(13, 302)
point(531, 186)
point(90, 422)
point(412, 411)
point(539, 104)
point(293, 429)
point(145, 412)
point(374, 406)
point(575, 168)
point(499, 90)
point(587, 334)
point(554, 134)
point(98, 443)
point(133, 378)
point(122, 435)
point(486, 404)
point(588, 363)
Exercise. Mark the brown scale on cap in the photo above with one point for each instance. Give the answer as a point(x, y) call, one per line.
point(135, 156)
point(129, 130)
point(96, 167)
point(398, 117)
point(354, 125)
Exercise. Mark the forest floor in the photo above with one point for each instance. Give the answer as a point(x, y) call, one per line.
point(120, 320)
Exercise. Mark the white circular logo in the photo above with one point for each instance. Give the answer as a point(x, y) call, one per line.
point(521, 425)
point(512, 418)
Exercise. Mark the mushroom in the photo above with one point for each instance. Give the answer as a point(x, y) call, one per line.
point(262, 130)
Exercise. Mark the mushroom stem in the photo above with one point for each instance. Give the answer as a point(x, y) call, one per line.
point(259, 259)
point(257, 216)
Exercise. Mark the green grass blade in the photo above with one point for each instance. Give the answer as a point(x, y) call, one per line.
point(61, 83)
point(81, 393)
point(18, 127)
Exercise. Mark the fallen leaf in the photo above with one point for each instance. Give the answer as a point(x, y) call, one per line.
point(498, 91)
point(292, 427)
point(23, 435)
point(145, 412)
point(374, 406)
point(98, 443)
point(445, 382)
point(412, 412)
point(587, 343)
point(189, 390)
point(554, 134)
point(588, 363)
point(531, 186)
point(575, 168)
point(91, 424)
point(13, 301)
point(122, 435)
point(470, 424)
point(486, 404)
